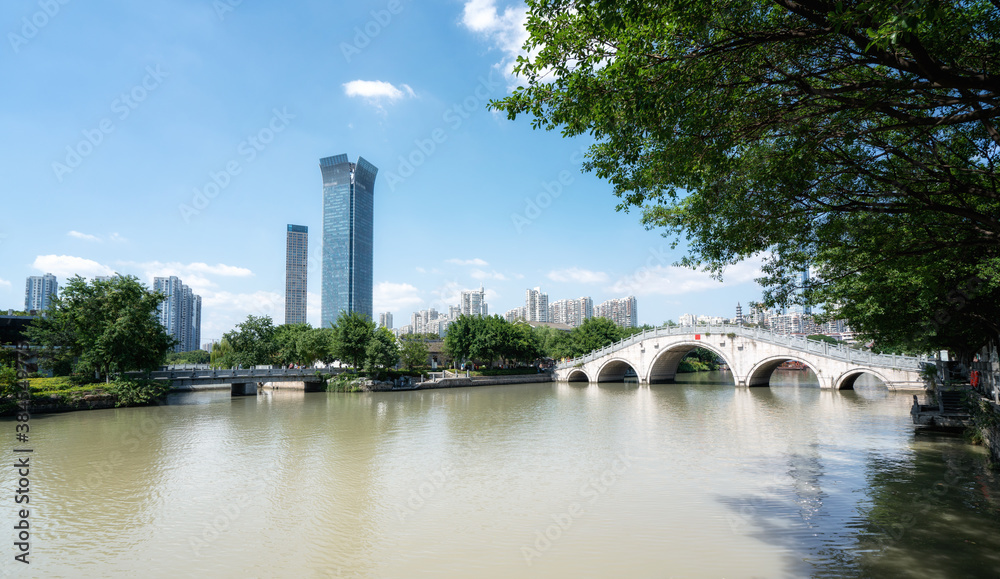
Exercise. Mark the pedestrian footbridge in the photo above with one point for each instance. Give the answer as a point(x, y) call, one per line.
point(652, 356)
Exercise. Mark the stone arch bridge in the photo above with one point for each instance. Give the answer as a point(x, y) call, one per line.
point(651, 357)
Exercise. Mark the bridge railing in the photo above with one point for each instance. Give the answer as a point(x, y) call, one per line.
point(802, 344)
point(224, 374)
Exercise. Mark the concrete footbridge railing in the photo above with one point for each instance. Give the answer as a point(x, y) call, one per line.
point(752, 354)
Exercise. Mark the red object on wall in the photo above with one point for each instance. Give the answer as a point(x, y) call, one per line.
point(697, 336)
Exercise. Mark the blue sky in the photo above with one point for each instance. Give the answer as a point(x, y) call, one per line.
point(181, 137)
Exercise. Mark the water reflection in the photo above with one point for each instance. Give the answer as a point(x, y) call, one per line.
point(694, 479)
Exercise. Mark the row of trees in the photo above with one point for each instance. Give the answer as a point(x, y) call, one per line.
point(353, 339)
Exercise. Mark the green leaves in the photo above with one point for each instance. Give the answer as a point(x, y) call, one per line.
point(252, 343)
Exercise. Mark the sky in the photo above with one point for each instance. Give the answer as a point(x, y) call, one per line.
point(180, 137)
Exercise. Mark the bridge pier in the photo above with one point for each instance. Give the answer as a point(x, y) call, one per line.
point(244, 389)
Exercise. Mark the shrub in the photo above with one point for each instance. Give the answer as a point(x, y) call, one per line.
point(129, 392)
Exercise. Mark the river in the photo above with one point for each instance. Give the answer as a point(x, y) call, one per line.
point(694, 479)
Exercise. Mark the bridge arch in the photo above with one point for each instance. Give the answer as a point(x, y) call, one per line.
point(614, 370)
point(760, 373)
point(846, 380)
point(578, 375)
point(664, 365)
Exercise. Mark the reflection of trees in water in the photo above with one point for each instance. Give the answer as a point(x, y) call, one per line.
point(935, 513)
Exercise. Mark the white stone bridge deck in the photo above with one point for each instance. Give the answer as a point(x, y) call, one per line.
point(651, 357)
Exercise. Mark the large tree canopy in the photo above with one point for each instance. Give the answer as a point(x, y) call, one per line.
point(103, 326)
point(856, 138)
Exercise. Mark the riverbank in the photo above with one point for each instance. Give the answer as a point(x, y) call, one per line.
point(462, 381)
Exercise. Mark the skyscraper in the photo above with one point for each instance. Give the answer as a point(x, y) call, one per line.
point(296, 267)
point(385, 320)
point(348, 215)
point(180, 313)
point(39, 291)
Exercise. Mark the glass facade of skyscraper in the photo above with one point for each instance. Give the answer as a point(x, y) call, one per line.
point(296, 273)
point(348, 217)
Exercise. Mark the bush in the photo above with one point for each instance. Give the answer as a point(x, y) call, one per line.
point(346, 382)
point(129, 392)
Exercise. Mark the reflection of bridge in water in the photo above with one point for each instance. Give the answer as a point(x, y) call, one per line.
point(751, 354)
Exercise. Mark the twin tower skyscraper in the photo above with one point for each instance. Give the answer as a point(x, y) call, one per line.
point(348, 239)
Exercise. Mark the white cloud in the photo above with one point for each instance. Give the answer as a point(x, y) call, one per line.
point(504, 29)
point(5, 283)
point(577, 275)
point(671, 280)
point(115, 237)
point(421, 270)
point(474, 261)
point(480, 274)
point(376, 90)
point(83, 236)
point(66, 266)
point(195, 275)
point(395, 297)
point(222, 310)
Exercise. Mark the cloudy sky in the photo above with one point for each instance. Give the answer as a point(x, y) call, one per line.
point(181, 137)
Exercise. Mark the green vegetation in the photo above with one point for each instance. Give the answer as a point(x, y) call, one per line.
point(191, 357)
point(699, 360)
point(856, 138)
point(413, 351)
point(352, 331)
point(593, 334)
point(491, 339)
point(823, 338)
point(101, 328)
point(381, 353)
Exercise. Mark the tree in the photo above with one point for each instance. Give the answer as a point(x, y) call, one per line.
point(286, 339)
point(221, 355)
point(382, 352)
point(458, 341)
point(252, 343)
point(856, 138)
point(413, 352)
point(316, 344)
point(594, 334)
point(102, 327)
point(192, 357)
point(352, 332)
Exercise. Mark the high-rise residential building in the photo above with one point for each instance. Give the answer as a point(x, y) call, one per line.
point(515, 314)
point(385, 320)
point(296, 273)
point(571, 312)
point(621, 311)
point(474, 302)
point(39, 291)
point(348, 221)
point(180, 312)
point(536, 305)
point(686, 320)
